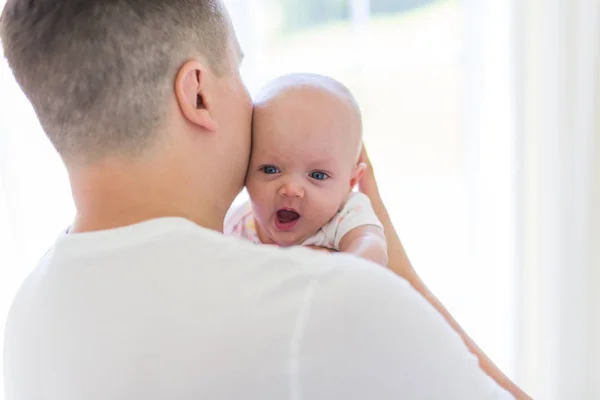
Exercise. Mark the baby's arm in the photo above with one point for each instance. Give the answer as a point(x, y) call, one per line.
point(366, 241)
point(356, 230)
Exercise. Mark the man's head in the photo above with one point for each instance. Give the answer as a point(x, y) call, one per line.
point(307, 134)
point(120, 78)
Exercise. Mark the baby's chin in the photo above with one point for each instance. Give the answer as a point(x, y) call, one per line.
point(294, 237)
point(290, 239)
point(284, 239)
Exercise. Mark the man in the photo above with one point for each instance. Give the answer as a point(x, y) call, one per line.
point(142, 298)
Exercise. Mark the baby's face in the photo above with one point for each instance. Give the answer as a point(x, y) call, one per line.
point(303, 164)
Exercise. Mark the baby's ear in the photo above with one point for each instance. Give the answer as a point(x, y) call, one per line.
point(357, 175)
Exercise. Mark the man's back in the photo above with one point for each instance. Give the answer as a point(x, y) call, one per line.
point(167, 310)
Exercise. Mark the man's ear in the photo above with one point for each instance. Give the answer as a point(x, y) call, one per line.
point(359, 171)
point(191, 94)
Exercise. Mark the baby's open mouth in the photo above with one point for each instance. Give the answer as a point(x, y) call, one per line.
point(287, 216)
point(286, 219)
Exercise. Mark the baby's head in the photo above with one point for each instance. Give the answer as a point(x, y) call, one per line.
point(306, 139)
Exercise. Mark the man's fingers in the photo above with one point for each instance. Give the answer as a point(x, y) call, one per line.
point(367, 183)
point(364, 157)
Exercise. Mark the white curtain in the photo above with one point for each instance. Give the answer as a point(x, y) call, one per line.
point(559, 100)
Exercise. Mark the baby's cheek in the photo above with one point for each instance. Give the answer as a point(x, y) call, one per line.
point(327, 207)
point(259, 206)
point(260, 198)
point(254, 187)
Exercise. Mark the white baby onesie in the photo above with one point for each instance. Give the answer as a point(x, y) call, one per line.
point(357, 211)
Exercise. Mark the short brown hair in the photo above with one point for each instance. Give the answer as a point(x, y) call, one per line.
point(98, 72)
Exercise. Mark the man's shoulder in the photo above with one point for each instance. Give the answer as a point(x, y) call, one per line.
point(348, 273)
point(177, 241)
point(325, 271)
point(181, 248)
point(389, 328)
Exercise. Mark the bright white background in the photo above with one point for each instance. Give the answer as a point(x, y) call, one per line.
point(482, 120)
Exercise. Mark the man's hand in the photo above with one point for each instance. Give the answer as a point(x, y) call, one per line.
point(367, 185)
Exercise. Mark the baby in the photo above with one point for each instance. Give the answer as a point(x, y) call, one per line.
point(307, 136)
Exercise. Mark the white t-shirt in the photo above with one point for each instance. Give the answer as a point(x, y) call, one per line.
point(356, 211)
point(165, 309)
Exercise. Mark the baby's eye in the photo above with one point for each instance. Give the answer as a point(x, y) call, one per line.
point(270, 169)
point(319, 176)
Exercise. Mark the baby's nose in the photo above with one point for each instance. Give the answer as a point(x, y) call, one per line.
point(291, 189)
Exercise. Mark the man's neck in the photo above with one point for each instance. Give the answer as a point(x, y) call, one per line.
point(114, 194)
